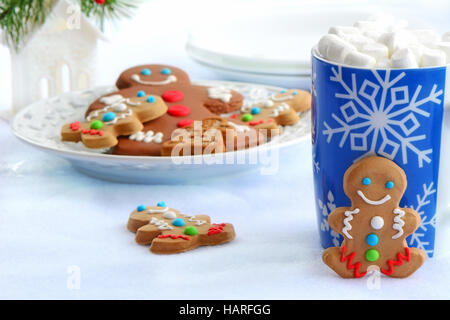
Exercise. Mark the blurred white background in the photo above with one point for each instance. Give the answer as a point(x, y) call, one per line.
point(159, 30)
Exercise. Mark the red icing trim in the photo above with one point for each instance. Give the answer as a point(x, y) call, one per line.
point(75, 126)
point(350, 264)
point(398, 262)
point(92, 132)
point(173, 96)
point(255, 122)
point(173, 236)
point(179, 110)
point(216, 228)
point(270, 121)
point(233, 116)
point(184, 123)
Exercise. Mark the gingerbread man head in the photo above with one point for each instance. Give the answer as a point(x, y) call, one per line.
point(375, 181)
point(152, 75)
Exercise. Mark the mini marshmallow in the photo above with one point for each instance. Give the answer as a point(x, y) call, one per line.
point(426, 36)
point(397, 26)
point(444, 47)
point(324, 42)
point(334, 48)
point(446, 36)
point(358, 59)
point(377, 50)
point(357, 40)
point(433, 58)
point(403, 58)
point(417, 49)
point(341, 30)
point(394, 40)
point(372, 34)
point(383, 64)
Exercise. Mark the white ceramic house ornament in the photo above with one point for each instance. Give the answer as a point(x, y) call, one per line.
point(55, 57)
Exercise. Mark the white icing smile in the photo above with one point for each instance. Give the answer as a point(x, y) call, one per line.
point(372, 202)
point(170, 79)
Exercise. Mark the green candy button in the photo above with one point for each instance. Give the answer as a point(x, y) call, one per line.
point(247, 117)
point(96, 124)
point(191, 231)
point(372, 255)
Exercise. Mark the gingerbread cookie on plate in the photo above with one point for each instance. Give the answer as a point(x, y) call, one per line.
point(186, 103)
point(169, 231)
point(279, 109)
point(119, 116)
point(374, 227)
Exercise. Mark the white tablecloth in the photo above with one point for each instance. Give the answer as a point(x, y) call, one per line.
point(56, 223)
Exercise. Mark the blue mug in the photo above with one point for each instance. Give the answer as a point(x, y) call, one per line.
point(394, 113)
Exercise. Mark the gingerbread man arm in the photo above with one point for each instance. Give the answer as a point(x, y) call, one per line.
point(336, 219)
point(412, 220)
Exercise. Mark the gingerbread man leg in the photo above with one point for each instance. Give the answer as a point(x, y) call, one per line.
point(333, 258)
point(406, 263)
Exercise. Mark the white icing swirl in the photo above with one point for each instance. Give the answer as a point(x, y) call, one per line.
point(281, 108)
point(220, 93)
point(147, 137)
point(161, 224)
point(398, 223)
point(347, 226)
point(196, 221)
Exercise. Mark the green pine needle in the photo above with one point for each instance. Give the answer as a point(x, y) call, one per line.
point(19, 17)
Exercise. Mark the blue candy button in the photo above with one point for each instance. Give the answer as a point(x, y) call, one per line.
point(141, 208)
point(389, 184)
point(151, 99)
point(294, 93)
point(161, 204)
point(366, 181)
point(178, 222)
point(166, 71)
point(283, 91)
point(255, 110)
point(372, 239)
point(141, 94)
point(109, 116)
point(146, 72)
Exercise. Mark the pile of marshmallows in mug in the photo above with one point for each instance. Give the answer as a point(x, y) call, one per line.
point(383, 42)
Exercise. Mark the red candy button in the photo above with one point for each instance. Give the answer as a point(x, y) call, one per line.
point(173, 96)
point(179, 110)
point(184, 123)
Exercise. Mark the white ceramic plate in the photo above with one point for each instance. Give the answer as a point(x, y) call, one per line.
point(40, 123)
point(278, 44)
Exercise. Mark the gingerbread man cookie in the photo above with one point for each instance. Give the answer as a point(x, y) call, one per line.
point(211, 135)
point(162, 78)
point(374, 227)
point(186, 103)
point(169, 231)
point(279, 109)
point(118, 116)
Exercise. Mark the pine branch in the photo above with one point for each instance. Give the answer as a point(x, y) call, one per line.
point(20, 17)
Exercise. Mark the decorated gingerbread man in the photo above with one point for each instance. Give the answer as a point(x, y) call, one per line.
point(279, 109)
point(169, 231)
point(119, 116)
point(186, 103)
point(374, 227)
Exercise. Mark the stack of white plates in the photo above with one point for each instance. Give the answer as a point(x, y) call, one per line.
point(266, 48)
